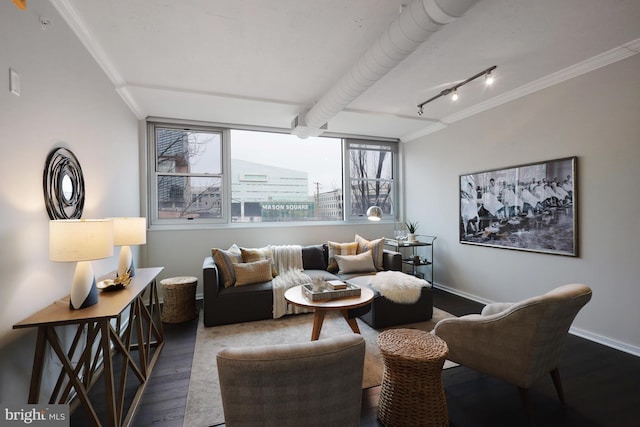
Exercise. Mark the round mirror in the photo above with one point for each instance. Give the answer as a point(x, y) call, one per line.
point(67, 188)
point(63, 185)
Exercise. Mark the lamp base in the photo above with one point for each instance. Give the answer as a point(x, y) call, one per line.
point(84, 292)
point(125, 263)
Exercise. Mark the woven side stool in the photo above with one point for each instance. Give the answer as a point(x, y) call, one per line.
point(179, 299)
point(412, 393)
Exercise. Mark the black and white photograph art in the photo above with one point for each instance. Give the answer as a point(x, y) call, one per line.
point(529, 207)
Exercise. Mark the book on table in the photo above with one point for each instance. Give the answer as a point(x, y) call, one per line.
point(336, 284)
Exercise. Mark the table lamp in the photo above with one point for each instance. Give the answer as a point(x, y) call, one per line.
point(128, 231)
point(81, 240)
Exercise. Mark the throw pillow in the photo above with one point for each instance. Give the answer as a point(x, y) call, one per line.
point(375, 246)
point(340, 249)
point(259, 254)
point(224, 260)
point(248, 273)
point(313, 258)
point(361, 263)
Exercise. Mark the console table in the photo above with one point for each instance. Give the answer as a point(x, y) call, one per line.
point(104, 341)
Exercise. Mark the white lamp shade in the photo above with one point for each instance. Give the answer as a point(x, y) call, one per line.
point(80, 239)
point(129, 231)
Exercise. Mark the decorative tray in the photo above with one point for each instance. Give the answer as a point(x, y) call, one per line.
point(110, 285)
point(320, 292)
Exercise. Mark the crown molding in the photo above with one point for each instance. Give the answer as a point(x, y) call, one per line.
point(85, 36)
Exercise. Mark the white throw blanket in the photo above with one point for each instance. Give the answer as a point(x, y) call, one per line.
point(288, 262)
point(398, 287)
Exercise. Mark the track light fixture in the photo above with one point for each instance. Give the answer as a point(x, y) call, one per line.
point(453, 90)
point(488, 78)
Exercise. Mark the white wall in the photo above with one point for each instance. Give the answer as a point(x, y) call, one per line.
point(67, 101)
point(595, 117)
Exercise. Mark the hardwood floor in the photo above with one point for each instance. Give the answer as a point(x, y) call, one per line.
point(600, 384)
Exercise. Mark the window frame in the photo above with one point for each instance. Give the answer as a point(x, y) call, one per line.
point(393, 148)
point(155, 173)
point(225, 219)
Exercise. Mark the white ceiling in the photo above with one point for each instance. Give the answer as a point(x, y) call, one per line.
point(262, 62)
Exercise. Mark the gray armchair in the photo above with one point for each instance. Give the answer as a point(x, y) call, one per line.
point(315, 383)
point(516, 342)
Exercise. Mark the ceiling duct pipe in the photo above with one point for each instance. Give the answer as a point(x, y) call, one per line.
point(413, 26)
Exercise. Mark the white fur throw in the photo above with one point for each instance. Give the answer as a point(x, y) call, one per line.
point(398, 287)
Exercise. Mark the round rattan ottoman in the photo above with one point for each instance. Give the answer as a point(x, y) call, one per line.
point(412, 393)
point(179, 299)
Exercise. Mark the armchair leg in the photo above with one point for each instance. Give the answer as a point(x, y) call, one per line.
point(555, 375)
point(526, 403)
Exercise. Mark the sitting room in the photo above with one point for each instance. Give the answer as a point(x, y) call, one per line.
point(479, 155)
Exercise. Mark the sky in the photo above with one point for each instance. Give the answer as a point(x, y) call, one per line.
point(320, 157)
point(317, 156)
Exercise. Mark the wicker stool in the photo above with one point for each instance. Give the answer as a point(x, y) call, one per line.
point(179, 299)
point(412, 393)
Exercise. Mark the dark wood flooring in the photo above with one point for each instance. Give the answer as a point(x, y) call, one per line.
point(602, 386)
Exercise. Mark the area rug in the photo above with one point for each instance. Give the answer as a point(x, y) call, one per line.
point(204, 405)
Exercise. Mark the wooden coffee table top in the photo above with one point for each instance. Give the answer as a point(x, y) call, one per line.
point(296, 296)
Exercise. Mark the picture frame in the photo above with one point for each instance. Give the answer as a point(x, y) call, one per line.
point(529, 207)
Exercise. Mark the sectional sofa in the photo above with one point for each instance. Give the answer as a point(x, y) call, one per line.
point(226, 303)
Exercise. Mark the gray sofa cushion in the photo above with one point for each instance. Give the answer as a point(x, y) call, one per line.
point(314, 257)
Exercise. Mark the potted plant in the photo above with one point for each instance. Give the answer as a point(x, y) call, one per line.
point(412, 227)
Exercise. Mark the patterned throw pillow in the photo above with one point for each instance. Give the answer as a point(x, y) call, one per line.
point(340, 249)
point(259, 254)
point(375, 246)
point(224, 260)
point(361, 263)
point(248, 273)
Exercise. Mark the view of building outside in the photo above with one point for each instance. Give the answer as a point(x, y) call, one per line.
point(279, 177)
point(188, 168)
point(274, 177)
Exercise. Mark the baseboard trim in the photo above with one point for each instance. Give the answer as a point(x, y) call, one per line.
point(600, 339)
point(462, 294)
point(609, 342)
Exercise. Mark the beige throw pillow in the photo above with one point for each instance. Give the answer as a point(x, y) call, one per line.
point(248, 273)
point(259, 254)
point(361, 263)
point(340, 249)
point(375, 246)
point(224, 260)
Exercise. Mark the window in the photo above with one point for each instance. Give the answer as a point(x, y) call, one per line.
point(205, 174)
point(187, 174)
point(278, 177)
point(371, 170)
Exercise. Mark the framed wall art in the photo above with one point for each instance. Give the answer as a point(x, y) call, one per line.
point(529, 207)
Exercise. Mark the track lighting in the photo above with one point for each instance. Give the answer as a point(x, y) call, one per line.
point(453, 90)
point(488, 78)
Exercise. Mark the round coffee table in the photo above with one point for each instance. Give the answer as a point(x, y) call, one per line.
point(296, 297)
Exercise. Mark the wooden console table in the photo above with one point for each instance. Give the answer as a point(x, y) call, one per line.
point(104, 341)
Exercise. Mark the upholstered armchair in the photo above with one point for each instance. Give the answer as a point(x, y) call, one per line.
point(315, 383)
point(516, 342)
